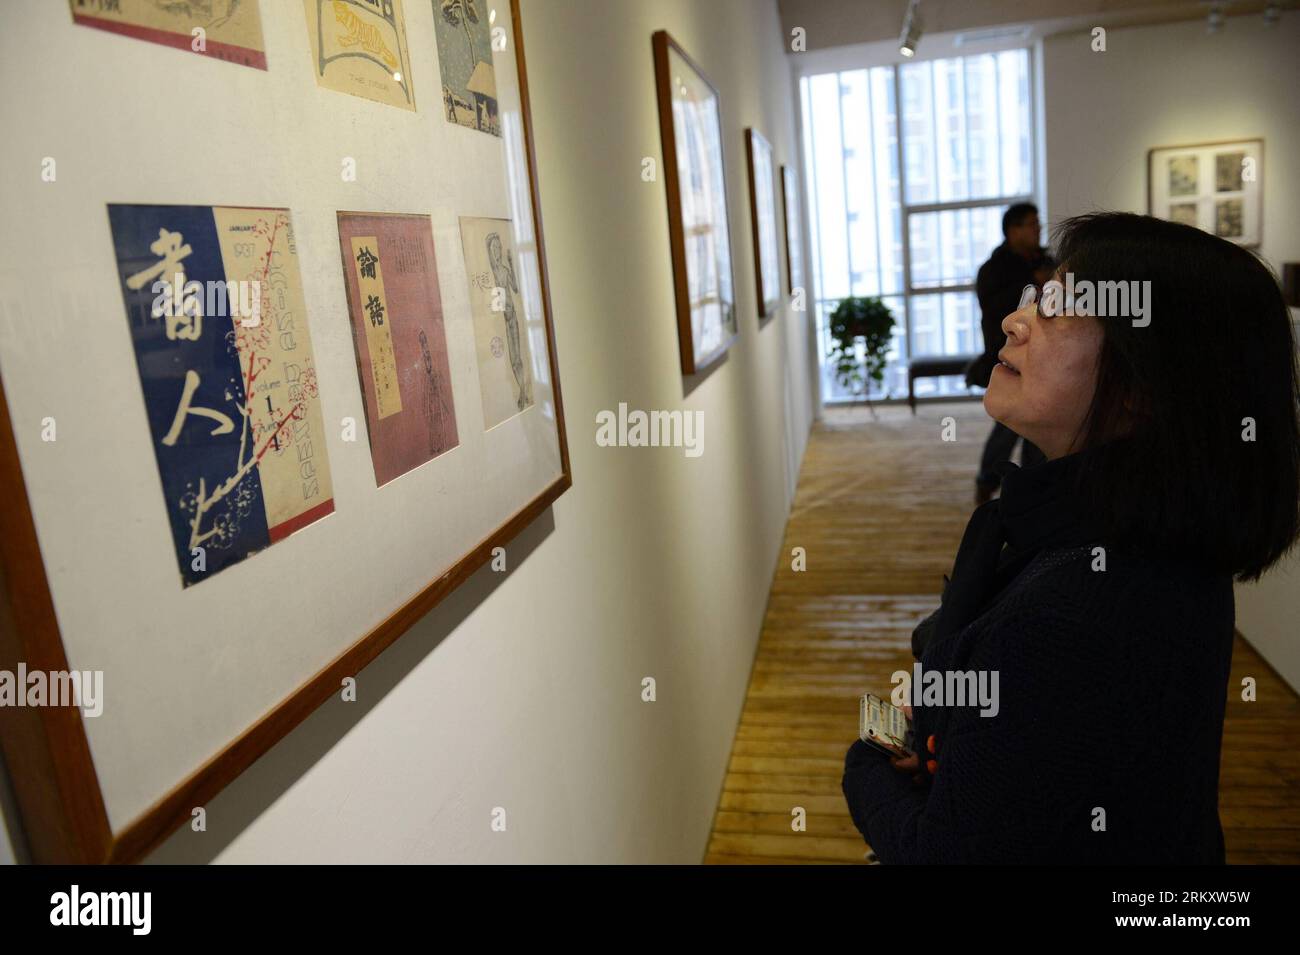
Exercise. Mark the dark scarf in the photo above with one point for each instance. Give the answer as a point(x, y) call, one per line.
point(1040, 508)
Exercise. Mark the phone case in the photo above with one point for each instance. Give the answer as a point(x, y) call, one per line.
point(885, 726)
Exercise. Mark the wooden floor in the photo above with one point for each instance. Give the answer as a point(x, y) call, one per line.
point(880, 509)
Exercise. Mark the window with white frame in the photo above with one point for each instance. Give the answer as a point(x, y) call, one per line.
point(908, 211)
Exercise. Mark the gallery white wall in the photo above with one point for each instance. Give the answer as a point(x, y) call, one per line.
point(523, 691)
point(1166, 86)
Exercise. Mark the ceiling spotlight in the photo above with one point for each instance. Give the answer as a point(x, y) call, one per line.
point(1214, 22)
point(911, 34)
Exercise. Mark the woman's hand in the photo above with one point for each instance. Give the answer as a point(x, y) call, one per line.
point(912, 764)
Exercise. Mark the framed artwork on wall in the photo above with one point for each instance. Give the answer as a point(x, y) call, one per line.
point(793, 229)
point(690, 125)
point(225, 507)
point(1217, 187)
point(762, 216)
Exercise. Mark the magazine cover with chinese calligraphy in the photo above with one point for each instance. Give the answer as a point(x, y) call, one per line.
point(397, 327)
point(228, 30)
point(359, 47)
point(217, 317)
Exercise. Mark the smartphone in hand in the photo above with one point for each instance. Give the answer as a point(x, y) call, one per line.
point(885, 726)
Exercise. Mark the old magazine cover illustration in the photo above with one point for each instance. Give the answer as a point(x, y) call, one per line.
point(228, 30)
point(469, 87)
point(500, 337)
point(397, 328)
point(359, 47)
point(217, 319)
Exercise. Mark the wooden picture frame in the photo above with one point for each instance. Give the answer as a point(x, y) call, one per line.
point(1216, 186)
point(703, 278)
point(762, 216)
point(793, 229)
point(48, 752)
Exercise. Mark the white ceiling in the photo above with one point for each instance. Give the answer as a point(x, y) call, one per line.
point(833, 23)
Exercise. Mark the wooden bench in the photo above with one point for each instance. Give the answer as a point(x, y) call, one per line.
point(936, 366)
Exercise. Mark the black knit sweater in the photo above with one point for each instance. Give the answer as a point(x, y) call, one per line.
point(1112, 686)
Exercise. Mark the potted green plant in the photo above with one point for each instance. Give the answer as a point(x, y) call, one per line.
point(863, 325)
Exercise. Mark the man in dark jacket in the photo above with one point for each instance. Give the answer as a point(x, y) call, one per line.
point(1017, 262)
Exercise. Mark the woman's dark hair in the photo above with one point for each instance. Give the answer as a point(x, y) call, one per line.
point(1204, 400)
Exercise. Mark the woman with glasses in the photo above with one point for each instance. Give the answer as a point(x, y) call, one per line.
point(1098, 588)
point(1018, 260)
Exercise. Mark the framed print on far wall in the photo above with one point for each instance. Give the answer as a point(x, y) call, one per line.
point(793, 229)
point(690, 124)
point(1217, 187)
point(762, 215)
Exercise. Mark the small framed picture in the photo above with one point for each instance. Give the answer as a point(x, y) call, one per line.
point(762, 215)
point(690, 124)
point(793, 230)
point(1215, 186)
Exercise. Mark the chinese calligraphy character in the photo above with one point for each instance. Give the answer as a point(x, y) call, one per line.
point(224, 424)
point(366, 261)
point(376, 310)
point(178, 302)
point(171, 246)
